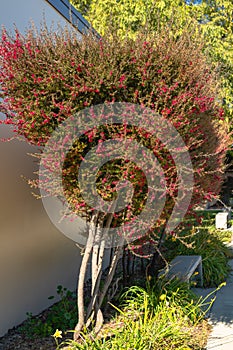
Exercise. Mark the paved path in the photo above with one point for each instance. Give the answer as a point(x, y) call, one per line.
point(220, 315)
point(221, 318)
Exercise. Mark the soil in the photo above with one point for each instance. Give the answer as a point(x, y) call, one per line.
point(17, 337)
point(14, 339)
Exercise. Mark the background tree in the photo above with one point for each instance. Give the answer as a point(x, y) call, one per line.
point(214, 19)
point(47, 78)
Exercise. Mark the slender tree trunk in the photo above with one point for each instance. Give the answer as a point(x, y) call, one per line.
point(96, 244)
point(124, 267)
point(116, 257)
point(153, 266)
point(128, 263)
point(133, 266)
point(82, 275)
point(97, 303)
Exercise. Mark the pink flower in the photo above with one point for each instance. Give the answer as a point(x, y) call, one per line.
point(122, 78)
point(164, 89)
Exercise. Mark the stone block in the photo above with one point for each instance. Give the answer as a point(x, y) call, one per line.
point(221, 220)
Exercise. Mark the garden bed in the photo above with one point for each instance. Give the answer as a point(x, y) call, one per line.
point(207, 241)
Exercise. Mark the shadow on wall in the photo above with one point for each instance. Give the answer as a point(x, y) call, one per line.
point(34, 256)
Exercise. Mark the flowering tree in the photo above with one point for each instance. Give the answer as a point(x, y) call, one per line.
point(214, 19)
point(53, 81)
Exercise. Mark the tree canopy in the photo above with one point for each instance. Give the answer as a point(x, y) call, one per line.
point(213, 20)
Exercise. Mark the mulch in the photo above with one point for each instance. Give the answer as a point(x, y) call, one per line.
point(14, 340)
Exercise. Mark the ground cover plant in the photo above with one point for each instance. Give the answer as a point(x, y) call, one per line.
point(48, 77)
point(61, 315)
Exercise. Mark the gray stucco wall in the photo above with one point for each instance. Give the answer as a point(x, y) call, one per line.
point(34, 256)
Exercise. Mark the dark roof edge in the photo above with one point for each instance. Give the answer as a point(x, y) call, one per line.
point(68, 11)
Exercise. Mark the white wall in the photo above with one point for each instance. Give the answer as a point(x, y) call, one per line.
point(21, 12)
point(34, 256)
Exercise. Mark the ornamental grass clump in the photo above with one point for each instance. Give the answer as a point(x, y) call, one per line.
point(163, 316)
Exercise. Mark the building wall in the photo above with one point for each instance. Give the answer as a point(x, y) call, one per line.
point(35, 257)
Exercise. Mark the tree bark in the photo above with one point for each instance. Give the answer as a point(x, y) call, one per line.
point(82, 274)
point(96, 244)
point(154, 266)
point(112, 270)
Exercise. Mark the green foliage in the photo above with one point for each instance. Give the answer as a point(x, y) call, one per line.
point(61, 315)
point(128, 17)
point(160, 289)
point(212, 17)
point(161, 317)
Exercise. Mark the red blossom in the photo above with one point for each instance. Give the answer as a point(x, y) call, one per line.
point(44, 82)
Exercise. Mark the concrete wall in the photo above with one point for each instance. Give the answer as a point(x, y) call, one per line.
point(34, 256)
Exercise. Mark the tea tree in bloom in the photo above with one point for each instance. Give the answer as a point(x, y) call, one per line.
point(49, 79)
